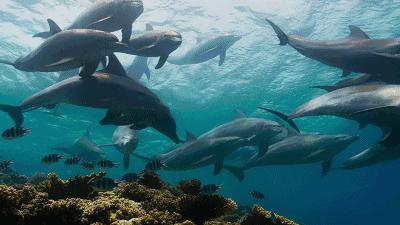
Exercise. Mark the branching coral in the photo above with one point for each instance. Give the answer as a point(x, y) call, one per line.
point(151, 179)
point(9, 201)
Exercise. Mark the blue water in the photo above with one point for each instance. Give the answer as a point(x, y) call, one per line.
point(256, 72)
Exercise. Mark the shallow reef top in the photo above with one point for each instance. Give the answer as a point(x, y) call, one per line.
point(148, 201)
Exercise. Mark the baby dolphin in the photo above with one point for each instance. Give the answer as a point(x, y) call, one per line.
point(356, 53)
point(139, 67)
point(372, 156)
point(304, 149)
point(108, 16)
point(375, 104)
point(154, 43)
point(127, 101)
point(70, 49)
point(206, 50)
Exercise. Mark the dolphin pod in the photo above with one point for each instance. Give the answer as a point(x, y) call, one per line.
point(356, 53)
point(132, 104)
point(108, 16)
point(206, 50)
point(80, 47)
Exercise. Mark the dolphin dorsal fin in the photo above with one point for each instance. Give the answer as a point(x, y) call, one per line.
point(54, 28)
point(190, 136)
point(239, 114)
point(114, 66)
point(149, 27)
point(357, 33)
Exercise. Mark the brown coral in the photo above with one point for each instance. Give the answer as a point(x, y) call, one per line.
point(151, 179)
point(260, 216)
point(37, 178)
point(9, 201)
point(190, 187)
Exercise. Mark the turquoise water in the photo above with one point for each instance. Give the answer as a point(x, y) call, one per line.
point(256, 72)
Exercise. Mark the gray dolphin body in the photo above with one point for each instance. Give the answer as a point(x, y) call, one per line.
point(361, 79)
point(139, 67)
point(108, 16)
point(206, 50)
point(83, 148)
point(372, 156)
point(304, 149)
point(70, 49)
point(125, 140)
point(127, 101)
point(154, 43)
point(263, 133)
point(197, 153)
point(357, 53)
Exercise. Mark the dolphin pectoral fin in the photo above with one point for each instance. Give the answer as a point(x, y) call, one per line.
point(219, 162)
point(109, 117)
point(357, 33)
point(235, 171)
point(114, 67)
point(326, 166)
point(283, 117)
point(126, 33)
point(14, 112)
point(345, 73)
point(89, 69)
point(61, 61)
point(391, 139)
point(147, 72)
point(222, 57)
point(262, 149)
point(161, 62)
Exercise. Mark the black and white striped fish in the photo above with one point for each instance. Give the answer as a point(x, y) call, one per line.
point(72, 161)
point(154, 165)
point(51, 158)
point(15, 132)
point(257, 195)
point(130, 177)
point(4, 165)
point(107, 164)
point(104, 184)
point(87, 165)
point(210, 189)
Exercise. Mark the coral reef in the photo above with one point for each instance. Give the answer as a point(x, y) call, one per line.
point(10, 177)
point(37, 178)
point(73, 202)
point(190, 187)
point(151, 179)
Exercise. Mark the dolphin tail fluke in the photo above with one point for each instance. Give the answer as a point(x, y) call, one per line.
point(54, 29)
point(326, 88)
point(14, 112)
point(235, 171)
point(282, 116)
point(326, 167)
point(283, 38)
point(125, 159)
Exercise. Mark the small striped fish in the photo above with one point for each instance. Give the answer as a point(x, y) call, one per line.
point(87, 165)
point(104, 184)
point(107, 164)
point(130, 177)
point(72, 161)
point(15, 132)
point(51, 158)
point(5, 164)
point(257, 195)
point(154, 165)
point(210, 189)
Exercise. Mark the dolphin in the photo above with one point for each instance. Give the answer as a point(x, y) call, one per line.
point(201, 152)
point(376, 104)
point(83, 148)
point(138, 68)
point(361, 79)
point(356, 53)
point(108, 16)
point(301, 149)
point(154, 43)
point(371, 156)
point(206, 50)
point(127, 101)
point(70, 49)
point(125, 140)
point(263, 132)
